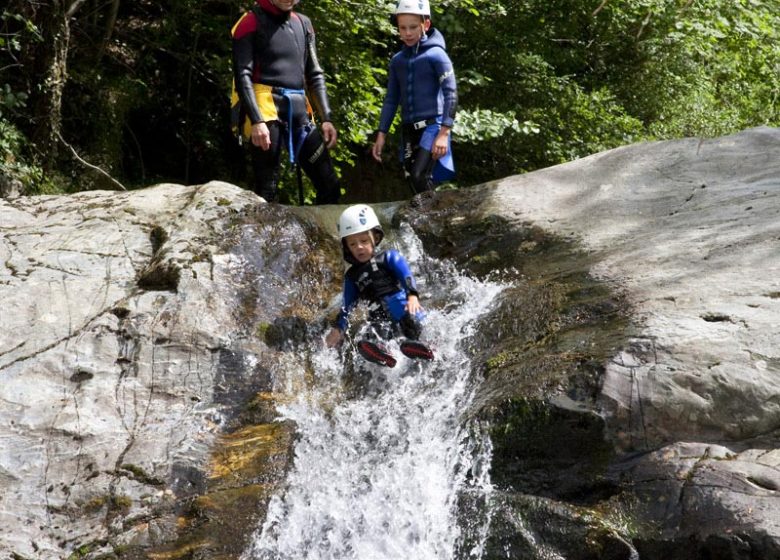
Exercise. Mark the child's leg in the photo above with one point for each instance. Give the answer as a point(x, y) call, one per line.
point(421, 172)
point(412, 347)
point(380, 323)
point(416, 350)
point(370, 347)
point(411, 327)
point(417, 161)
point(375, 353)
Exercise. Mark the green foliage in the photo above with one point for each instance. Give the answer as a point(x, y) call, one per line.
point(729, 75)
point(16, 167)
point(15, 31)
point(11, 100)
point(540, 82)
point(592, 79)
point(485, 124)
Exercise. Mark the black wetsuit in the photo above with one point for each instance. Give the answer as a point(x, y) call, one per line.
point(276, 49)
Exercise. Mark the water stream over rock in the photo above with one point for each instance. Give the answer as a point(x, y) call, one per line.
point(384, 472)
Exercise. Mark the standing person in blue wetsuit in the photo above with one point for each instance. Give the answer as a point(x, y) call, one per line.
point(384, 279)
point(275, 67)
point(422, 81)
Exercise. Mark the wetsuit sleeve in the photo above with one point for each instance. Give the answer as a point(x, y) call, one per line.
point(400, 269)
point(243, 34)
point(349, 299)
point(445, 73)
point(315, 76)
point(392, 98)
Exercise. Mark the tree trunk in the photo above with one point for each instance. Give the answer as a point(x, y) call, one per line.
point(54, 65)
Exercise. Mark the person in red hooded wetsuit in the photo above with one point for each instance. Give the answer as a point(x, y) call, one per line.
point(276, 75)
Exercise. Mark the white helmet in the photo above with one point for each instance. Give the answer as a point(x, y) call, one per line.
point(418, 7)
point(357, 219)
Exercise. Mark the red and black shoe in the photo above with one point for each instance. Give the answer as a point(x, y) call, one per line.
point(415, 349)
point(375, 353)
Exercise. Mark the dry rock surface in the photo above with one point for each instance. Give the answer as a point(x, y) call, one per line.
point(121, 318)
point(690, 230)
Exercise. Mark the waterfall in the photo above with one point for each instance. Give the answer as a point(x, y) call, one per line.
point(396, 471)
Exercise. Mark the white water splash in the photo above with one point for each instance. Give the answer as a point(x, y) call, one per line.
point(384, 475)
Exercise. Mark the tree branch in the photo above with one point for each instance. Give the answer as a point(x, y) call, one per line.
point(601, 7)
point(95, 167)
point(644, 24)
point(109, 28)
point(73, 8)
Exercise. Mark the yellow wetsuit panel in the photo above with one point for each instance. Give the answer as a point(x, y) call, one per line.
point(265, 102)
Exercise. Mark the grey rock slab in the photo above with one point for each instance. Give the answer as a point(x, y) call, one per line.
point(690, 229)
point(99, 375)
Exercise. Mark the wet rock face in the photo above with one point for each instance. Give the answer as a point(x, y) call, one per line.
point(554, 326)
point(131, 341)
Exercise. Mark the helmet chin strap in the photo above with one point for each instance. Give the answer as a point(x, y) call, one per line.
point(424, 26)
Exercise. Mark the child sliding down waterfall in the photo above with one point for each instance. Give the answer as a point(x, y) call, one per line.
point(384, 279)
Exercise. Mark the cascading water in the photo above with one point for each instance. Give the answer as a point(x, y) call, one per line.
point(390, 473)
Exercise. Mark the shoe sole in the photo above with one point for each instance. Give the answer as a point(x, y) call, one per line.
point(372, 353)
point(416, 350)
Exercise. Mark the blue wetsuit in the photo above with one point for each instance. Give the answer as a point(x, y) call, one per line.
point(387, 281)
point(422, 81)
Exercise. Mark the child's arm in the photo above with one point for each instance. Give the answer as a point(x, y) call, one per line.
point(445, 74)
point(389, 108)
point(349, 298)
point(400, 269)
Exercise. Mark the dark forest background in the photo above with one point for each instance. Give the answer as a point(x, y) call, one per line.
point(112, 94)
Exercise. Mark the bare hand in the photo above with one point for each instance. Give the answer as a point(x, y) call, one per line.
point(413, 305)
point(261, 137)
point(334, 337)
point(379, 144)
point(439, 149)
point(329, 134)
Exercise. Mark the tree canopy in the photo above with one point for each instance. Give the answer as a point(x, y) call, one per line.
point(101, 93)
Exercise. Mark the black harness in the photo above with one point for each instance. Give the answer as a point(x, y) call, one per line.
point(374, 279)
